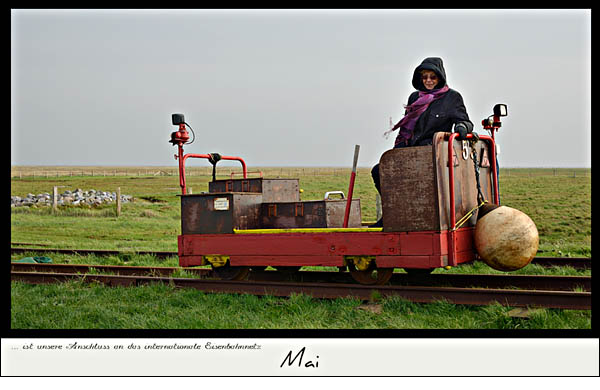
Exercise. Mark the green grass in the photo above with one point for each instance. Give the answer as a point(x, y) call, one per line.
point(74, 305)
point(559, 204)
point(560, 207)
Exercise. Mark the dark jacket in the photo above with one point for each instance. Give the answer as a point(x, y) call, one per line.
point(442, 113)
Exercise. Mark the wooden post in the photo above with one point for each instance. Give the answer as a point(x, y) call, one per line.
point(118, 201)
point(351, 187)
point(55, 199)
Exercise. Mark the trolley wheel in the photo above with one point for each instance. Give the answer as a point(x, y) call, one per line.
point(372, 275)
point(419, 271)
point(228, 272)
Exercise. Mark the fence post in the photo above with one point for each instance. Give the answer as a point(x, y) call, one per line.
point(55, 199)
point(118, 201)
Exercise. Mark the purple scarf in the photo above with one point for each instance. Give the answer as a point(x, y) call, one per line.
point(413, 112)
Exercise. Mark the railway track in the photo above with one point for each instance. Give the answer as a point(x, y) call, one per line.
point(95, 252)
point(580, 263)
point(510, 290)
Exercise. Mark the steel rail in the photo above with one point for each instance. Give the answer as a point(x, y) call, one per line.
point(114, 269)
point(466, 296)
point(534, 282)
point(574, 262)
point(97, 252)
point(499, 281)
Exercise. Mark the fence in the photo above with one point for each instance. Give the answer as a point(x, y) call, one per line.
point(17, 173)
point(22, 173)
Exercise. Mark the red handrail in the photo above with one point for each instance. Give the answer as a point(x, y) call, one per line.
point(183, 157)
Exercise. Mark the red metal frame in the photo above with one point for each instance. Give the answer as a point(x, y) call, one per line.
point(179, 138)
point(260, 173)
point(494, 126)
point(424, 249)
point(427, 249)
point(452, 241)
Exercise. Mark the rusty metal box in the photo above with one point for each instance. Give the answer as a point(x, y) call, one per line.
point(273, 190)
point(415, 192)
point(219, 212)
point(309, 214)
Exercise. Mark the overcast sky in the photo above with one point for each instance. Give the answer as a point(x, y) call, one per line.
point(289, 87)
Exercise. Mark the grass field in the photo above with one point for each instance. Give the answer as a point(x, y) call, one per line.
point(559, 201)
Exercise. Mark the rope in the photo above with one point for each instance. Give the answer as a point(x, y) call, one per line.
point(467, 216)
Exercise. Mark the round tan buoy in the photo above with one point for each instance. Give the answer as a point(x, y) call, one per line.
point(505, 238)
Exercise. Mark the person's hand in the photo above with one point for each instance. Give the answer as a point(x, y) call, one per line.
point(461, 129)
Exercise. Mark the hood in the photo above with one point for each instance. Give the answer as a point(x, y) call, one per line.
point(431, 63)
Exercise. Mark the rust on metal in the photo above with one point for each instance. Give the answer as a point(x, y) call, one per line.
point(415, 195)
point(219, 212)
point(327, 213)
point(273, 190)
point(408, 190)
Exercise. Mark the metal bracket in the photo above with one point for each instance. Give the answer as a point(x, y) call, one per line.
point(245, 186)
point(329, 193)
point(215, 260)
point(272, 210)
point(361, 263)
point(299, 210)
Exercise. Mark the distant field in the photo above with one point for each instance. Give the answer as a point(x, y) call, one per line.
point(559, 202)
point(228, 167)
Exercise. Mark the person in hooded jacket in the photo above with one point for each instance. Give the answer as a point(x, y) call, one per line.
point(433, 107)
